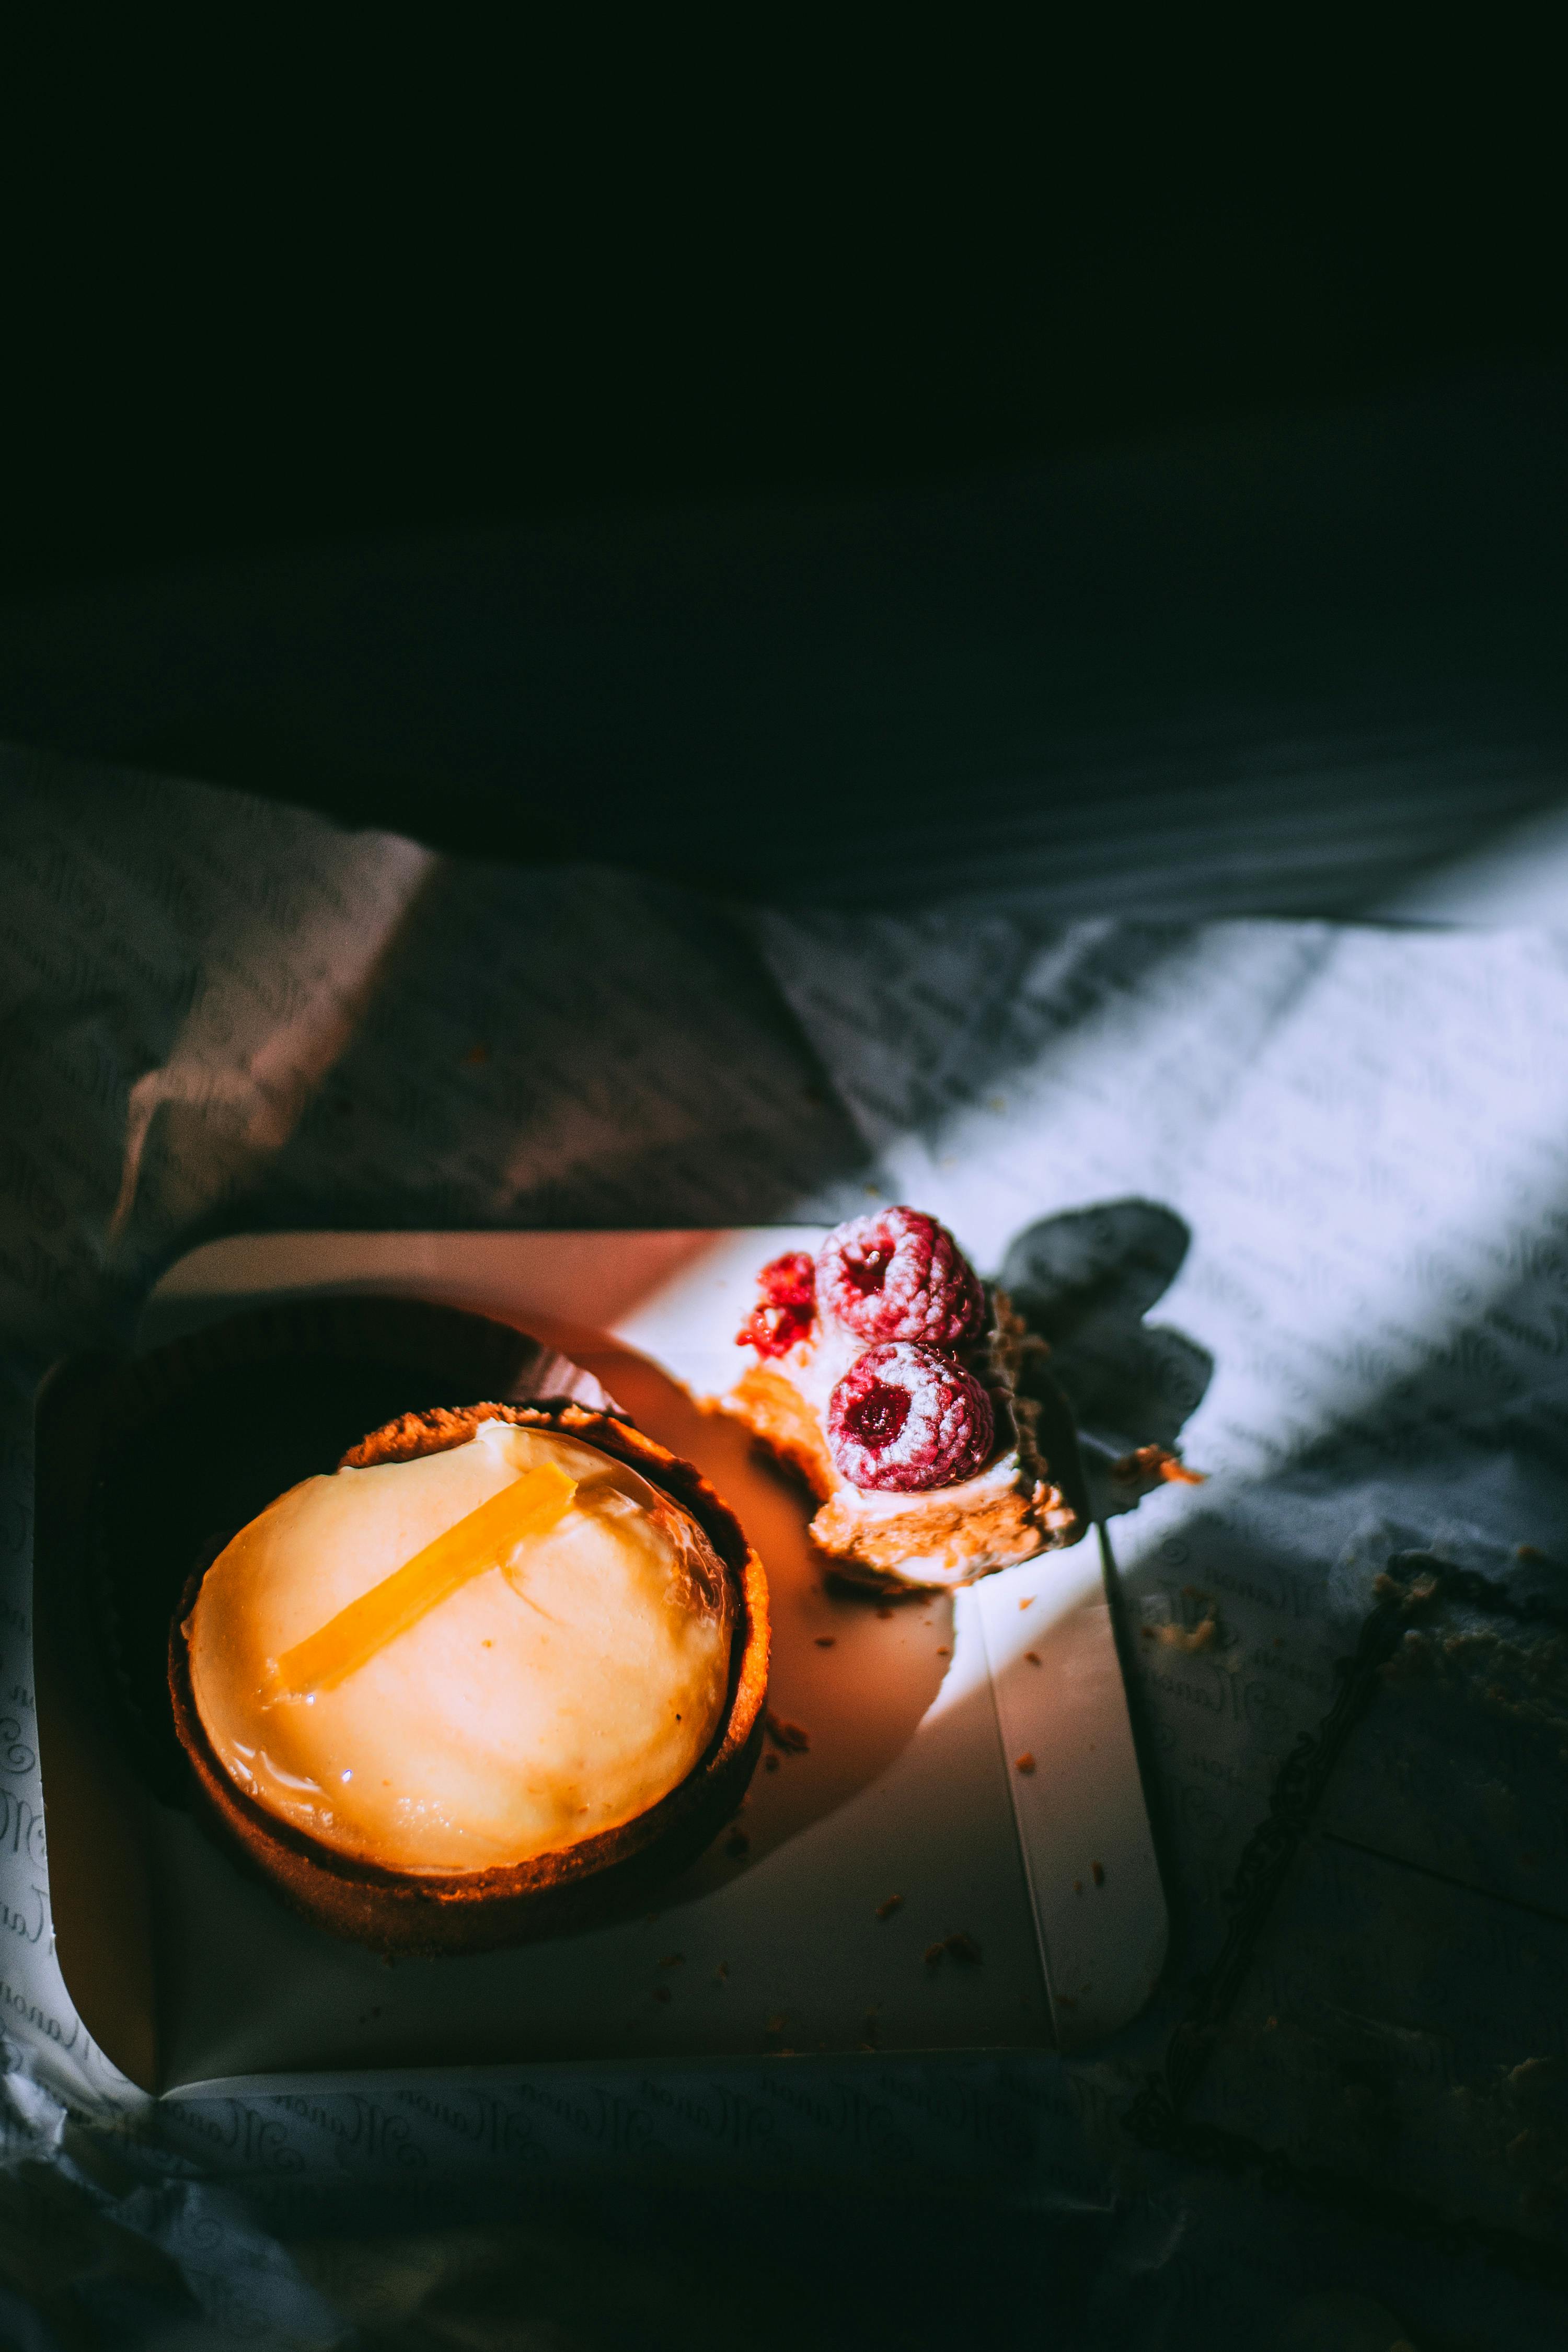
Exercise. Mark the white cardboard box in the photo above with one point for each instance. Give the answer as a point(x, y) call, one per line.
point(191, 1975)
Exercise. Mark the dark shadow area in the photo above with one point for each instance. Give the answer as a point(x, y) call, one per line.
point(1279, 665)
point(650, 272)
point(635, 2267)
point(767, 2269)
point(1084, 1281)
point(1413, 2072)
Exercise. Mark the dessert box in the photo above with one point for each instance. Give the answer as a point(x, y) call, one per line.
point(947, 1848)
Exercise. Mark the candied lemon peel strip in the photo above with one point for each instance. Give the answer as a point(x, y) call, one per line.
point(530, 1506)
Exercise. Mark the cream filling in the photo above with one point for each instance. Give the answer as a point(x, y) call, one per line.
point(556, 1695)
point(1000, 1477)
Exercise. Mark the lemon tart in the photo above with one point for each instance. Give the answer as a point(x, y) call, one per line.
point(500, 1672)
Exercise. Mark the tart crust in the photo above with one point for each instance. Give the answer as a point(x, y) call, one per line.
point(576, 1885)
point(945, 1536)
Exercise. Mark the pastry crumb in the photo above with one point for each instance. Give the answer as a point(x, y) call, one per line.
point(1026, 1762)
point(884, 1611)
point(956, 1947)
point(1097, 1872)
point(885, 1909)
point(1185, 1637)
point(1033, 1656)
point(942, 1652)
point(721, 1973)
point(793, 1737)
point(770, 1762)
point(737, 1843)
point(826, 1641)
point(1029, 1600)
point(1146, 1466)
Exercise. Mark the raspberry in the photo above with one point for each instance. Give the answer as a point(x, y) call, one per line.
point(898, 1275)
point(785, 1308)
point(905, 1417)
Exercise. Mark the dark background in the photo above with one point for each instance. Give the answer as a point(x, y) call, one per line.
point(772, 466)
point(274, 303)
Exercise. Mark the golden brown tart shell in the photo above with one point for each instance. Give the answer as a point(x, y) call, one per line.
point(579, 1886)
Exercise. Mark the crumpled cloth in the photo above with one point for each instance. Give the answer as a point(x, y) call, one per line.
point(1292, 1197)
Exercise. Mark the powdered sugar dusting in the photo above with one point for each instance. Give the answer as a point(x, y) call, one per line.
point(906, 1418)
point(897, 1274)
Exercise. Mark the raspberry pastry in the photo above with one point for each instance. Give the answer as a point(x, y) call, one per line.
point(885, 1372)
